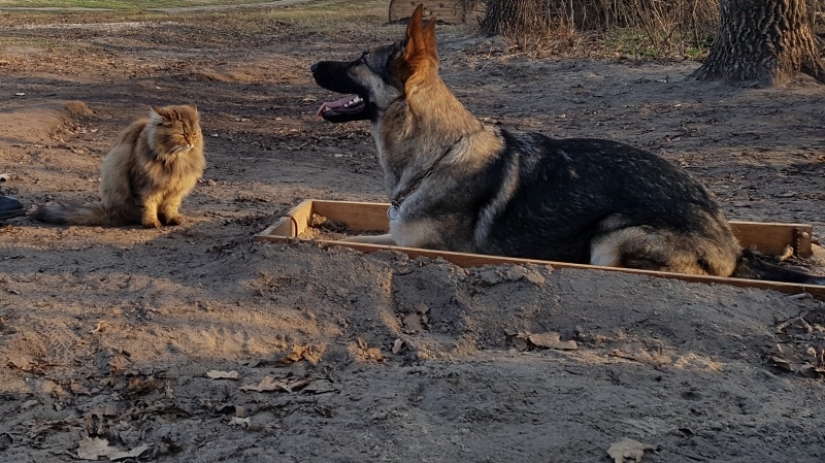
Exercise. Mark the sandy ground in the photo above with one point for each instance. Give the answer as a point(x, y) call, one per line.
point(107, 335)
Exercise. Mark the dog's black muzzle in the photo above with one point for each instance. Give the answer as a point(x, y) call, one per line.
point(335, 76)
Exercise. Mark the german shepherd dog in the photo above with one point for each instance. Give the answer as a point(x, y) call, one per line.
point(458, 185)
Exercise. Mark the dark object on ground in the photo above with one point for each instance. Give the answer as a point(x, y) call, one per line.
point(10, 207)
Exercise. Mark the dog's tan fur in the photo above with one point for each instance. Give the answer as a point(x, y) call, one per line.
point(414, 131)
point(151, 167)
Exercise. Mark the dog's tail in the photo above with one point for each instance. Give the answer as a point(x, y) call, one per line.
point(74, 214)
point(752, 265)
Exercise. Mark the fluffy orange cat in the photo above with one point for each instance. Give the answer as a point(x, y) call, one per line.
point(152, 166)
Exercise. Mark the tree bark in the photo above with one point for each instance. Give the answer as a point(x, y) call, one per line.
point(769, 42)
point(513, 18)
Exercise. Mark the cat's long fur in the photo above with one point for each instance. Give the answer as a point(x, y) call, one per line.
point(152, 166)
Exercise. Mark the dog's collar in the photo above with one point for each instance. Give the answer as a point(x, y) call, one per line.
point(395, 206)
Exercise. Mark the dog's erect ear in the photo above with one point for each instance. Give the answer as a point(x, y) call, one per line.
point(429, 38)
point(420, 48)
point(414, 26)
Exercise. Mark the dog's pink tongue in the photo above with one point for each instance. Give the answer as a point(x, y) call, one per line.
point(334, 104)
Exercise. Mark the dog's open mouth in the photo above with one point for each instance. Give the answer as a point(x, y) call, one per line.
point(349, 105)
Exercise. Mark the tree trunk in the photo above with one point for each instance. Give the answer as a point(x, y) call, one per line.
point(769, 42)
point(513, 18)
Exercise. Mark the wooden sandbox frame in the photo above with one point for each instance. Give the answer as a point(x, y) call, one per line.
point(768, 238)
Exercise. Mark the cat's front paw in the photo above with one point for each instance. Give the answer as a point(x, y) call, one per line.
point(150, 223)
point(174, 220)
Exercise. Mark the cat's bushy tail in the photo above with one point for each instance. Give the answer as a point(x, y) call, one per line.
point(74, 214)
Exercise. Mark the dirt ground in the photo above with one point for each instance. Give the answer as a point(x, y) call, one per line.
point(108, 335)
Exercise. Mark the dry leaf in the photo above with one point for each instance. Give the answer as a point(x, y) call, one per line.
point(217, 374)
point(319, 387)
point(628, 448)
point(98, 328)
point(309, 352)
point(94, 448)
point(29, 404)
point(369, 353)
point(21, 362)
point(412, 323)
point(779, 362)
point(551, 340)
point(295, 355)
point(640, 356)
point(312, 354)
point(78, 388)
point(138, 385)
point(373, 353)
point(397, 345)
point(104, 411)
point(118, 364)
point(269, 384)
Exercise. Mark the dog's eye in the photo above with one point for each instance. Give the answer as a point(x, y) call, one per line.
point(363, 59)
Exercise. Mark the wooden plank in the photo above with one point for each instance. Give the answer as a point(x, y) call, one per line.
point(356, 215)
point(768, 238)
point(273, 230)
point(363, 216)
point(772, 238)
point(291, 225)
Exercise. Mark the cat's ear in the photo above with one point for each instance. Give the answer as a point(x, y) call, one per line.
point(196, 116)
point(156, 113)
point(159, 116)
